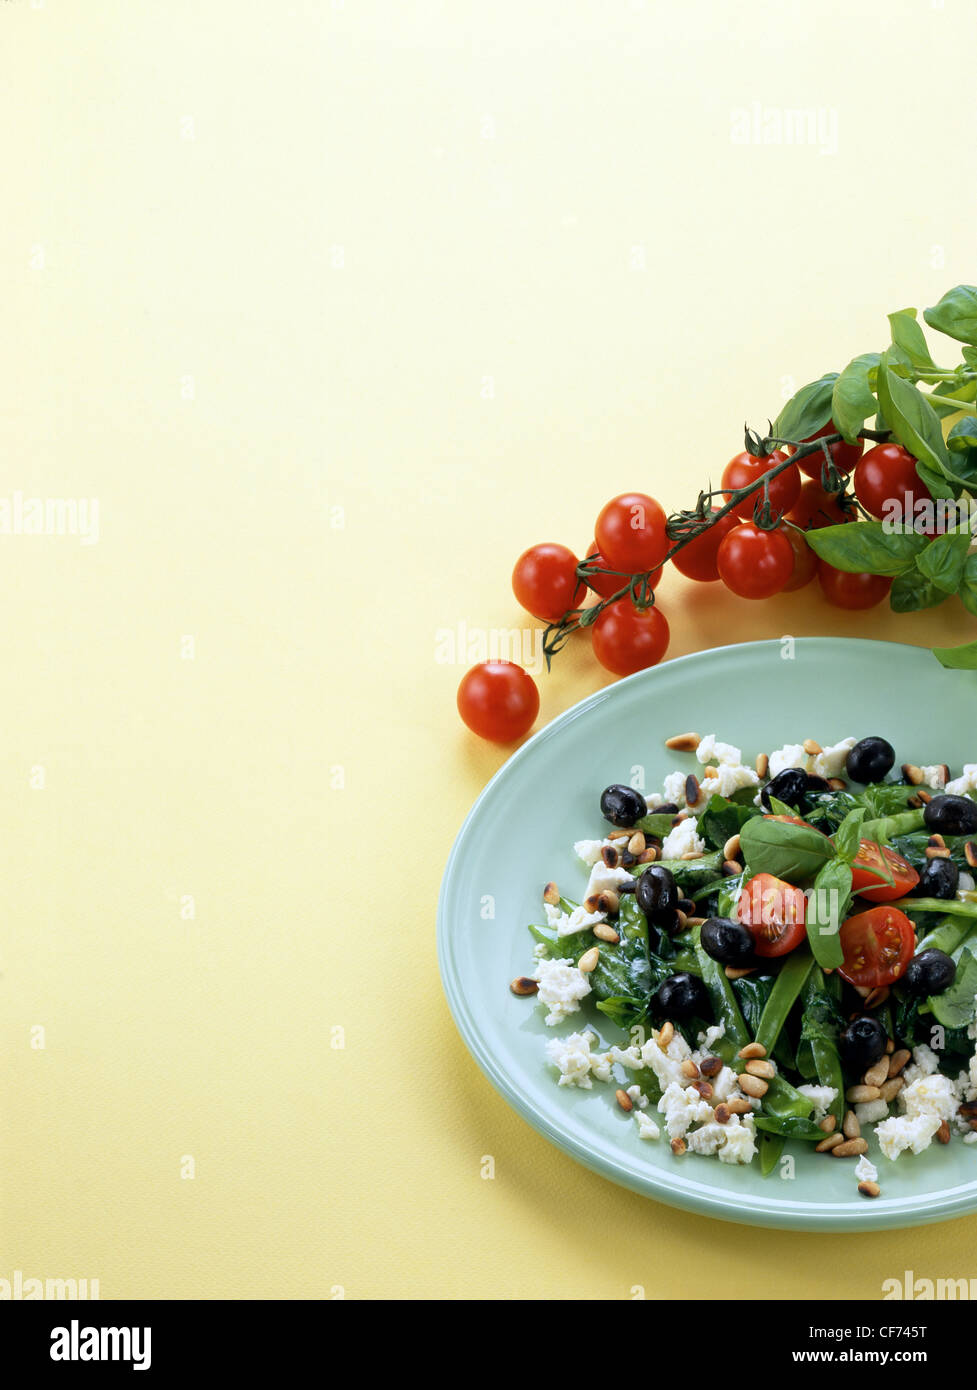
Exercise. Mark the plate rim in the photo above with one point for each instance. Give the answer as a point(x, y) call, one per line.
point(744, 1209)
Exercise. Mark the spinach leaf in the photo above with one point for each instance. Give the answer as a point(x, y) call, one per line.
point(852, 401)
point(689, 873)
point(807, 411)
point(968, 584)
point(723, 818)
point(752, 993)
point(785, 850)
point(956, 314)
point(954, 1008)
point(625, 1010)
point(871, 546)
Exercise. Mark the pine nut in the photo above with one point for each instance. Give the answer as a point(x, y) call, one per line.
point(523, 985)
point(890, 1047)
point(850, 1126)
point(863, 990)
point(608, 901)
point(932, 853)
point(858, 1095)
point(943, 1133)
point(722, 1113)
point(551, 895)
point(624, 1100)
point(693, 854)
point(756, 1067)
point(684, 743)
point(913, 775)
point(605, 933)
point(877, 1074)
point(850, 1148)
point(869, 1189)
point(937, 841)
point(762, 765)
point(683, 921)
point(898, 1060)
point(877, 997)
point(588, 961)
point(648, 856)
point(891, 1088)
point(689, 1068)
point(732, 847)
point(711, 1066)
point(732, 867)
point(970, 853)
point(828, 1124)
point(739, 1106)
point(666, 1033)
point(826, 1145)
point(732, 973)
point(914, 802)
point(691, 789)
point(695, 921)
point(837, 784)
point(753, 1049)
point(610, 856)
point(924, 796)
point(637, 843)
point(678, 1147)
point(812, 747)
point(753, 1085)
point(704, 1089)
point(619, 834)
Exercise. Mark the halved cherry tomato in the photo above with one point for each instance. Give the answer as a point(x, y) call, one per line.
point(792, 820)
point(870, 872)
point(878, 945)
point(774, 912)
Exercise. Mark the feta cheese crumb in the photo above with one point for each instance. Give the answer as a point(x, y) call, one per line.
point(934, 776)
point(865, 1170)
point(822, 1096)
point(707, 1139)
point(602, 878)
point(966, 782)
point(970, 1138)
point(733, 778)
point(791, 755)
point(561, 987)
point(647, 1129)
point(682, 1107)
point(683, 839)
point(710, 750)
point(567, 923)
point(637, 1097)
point(930, 1095)
point(589, 850)
point(830, 762)
point(675, 788)
point(925, 1062)
point(710, 1037)
point(740, 1145)
point(903, 1132)
point(573, 1058)
point(869, 1112)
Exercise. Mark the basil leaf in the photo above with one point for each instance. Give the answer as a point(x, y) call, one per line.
point(937, 483)
point(722, 819)
point(910, 592)
point(907, 335)
point(963, 436)
point(852, 401)
point(964, 392)
point(848, 835)
point(954, 1008)
point(956, 314)
point(867, 546)
point(783, 849)
point(826, 909)
point(912, 420)
point(807, 411)
point(962, 658)
point(968, 585)
point(943, 560)
point(656, 823)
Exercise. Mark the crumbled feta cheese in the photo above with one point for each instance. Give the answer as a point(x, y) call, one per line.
point(903, 1132)
point(683, 839)
point(707, 1139)
point(724, 1085)
point(970, 1138)
point(589, 850)
point(637, 1097)
point(966, 782)
point(540, 950)
point(934, 776)
point(966, 882)
point(573, 1057)
point(561, 987)
point(675, 788)
point(830, 762)
point(682, 1107)
point(868, 1112)
point(654, 801)
point(647, 1129)
point(678, 1049)
point(791, 755)
point(925, 1062)
point(740, 1145)
point(865, 1170)
point(602, 878)
point(822, 1096)
point(567, 923)
point(710, 1037)
point(930, 1095)
point(666, 1069)
point(710, 750)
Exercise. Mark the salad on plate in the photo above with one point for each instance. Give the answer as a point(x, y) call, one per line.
point(785, 952)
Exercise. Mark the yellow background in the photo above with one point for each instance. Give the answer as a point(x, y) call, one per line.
point(335, 308)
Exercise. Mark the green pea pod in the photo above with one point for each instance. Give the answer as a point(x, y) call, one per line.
point(788, 985)
point(723, 1001)
point(820, 1039)
point(887, 827)
point(782, 1099)
point(689, 874)
point(771, 1146)
point(963, 906)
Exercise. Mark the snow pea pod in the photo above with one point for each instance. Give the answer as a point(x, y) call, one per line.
point(964, 905)
point(771, 1146)
point(783, 996)
point(887, 827)
point(827, 1062)
point(723, 1000)
point(948, 935)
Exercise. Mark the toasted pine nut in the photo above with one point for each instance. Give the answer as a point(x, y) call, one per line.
point(739, 1106)
point(811, 746)
point(831, 1142)
point(608, 901)
point(684, 743)
point(624, 1100)
point(649, 856)
point(837, 784)
point(695, 921)
point(932, 853)
point(610, 856)
point(937, 842)
point(678, 1147)
point(551, 895)
point(683, 921)
point(618, 835)
point(762, 764)
point(693, 854)
point(877, 1074)
point(522, 985)
point(850, 1148)
point(943, 1133)
point(732, 973)
point(588, 961)
point(857, 1095)
point(732, 867)
point(605, 933)
point(753, 1085)
point(890, 1047)
point(753, 1049)
point(913, 775)
point(666, 1033)
point(732, 847)
point(704, 1089)
point(914, 802)
point(758, 1067)
point(877, 997)
point(828, 1124)
point(722, 1113)
point(689, 1068)
point(924, 796)
point(898, 1060)
point(970, 853)
point(691, 789)
point(711, 1066)
point(869, 1189)
point(850, 1126)
point(863, 990)
point(891, 1088)
point(637, 843)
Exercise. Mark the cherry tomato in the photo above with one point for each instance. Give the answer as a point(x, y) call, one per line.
point(745, 469)
point(870, 871)
point(852, 590)
point(816, 508)
point(545, 581)
point(774, 912)
point(843, 456)
point(628, 639)
point(697, 560)
point(796, 820)
point(607, 585)
point(805, 561)
point(630, 532)
point(498, 700)
point(884, 477)
point(755, 563)
point(878, 945)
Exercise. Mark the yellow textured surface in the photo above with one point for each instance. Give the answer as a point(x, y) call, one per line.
point(335, 308)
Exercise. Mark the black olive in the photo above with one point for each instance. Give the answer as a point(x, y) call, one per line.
point(622, 805)
point(630, 885)
point(951, 815)
point(680, 996)
point(931, 972)
point(862, 1043)
point(817, 784)
point(666, 922)
point(657, 891)
point(667, 808)
point(789, 786)
point(687, 906)
point(727, 941)
point(870, 760)
point(939, 879)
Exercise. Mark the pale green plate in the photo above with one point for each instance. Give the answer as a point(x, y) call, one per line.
point(520, 833)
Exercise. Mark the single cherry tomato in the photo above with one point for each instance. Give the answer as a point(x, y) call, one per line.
point(874, 865)
point(697, 560)
point(796, 820)
point(843, 456)
point(745, 469)
point(805, 561)
point(630, 532)
point(755, 563)
point(878, 945)
point(545, 581)
point(628, 639)
point(884, 478)
point(815, 508)
point(774, 912)
point(498, 700)
point(846, 590)
point(607, 585)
